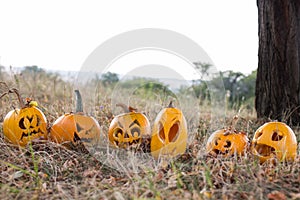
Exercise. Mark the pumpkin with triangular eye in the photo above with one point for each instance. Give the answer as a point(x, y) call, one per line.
point(274, 140)
point(169, 134)
point(76, 127)
point(128, 129)
point(227, 142)
point(25, 124)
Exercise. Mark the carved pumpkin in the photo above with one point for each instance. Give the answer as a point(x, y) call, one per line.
point(274, 140)
point(76, 127)
point(23, 125)
point(128, 129)
point(227, 142)
point(169, 135)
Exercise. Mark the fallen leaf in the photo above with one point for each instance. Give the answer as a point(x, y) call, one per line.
point(276, 195)
point(295, 196)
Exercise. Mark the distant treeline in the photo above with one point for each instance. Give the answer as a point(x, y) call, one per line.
point(239, 88)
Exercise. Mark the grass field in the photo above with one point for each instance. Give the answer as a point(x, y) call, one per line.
point(45, 170)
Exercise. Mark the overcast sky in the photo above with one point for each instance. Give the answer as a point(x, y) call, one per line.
point(61, 34)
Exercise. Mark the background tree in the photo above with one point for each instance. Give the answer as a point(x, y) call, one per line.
point(277, 84)
point(109, 78)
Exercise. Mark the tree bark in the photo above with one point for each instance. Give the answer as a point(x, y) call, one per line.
point(278, 73)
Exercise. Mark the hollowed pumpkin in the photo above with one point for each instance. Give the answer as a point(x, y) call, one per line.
point(227, 142)
point(274, 140)
point(128, 129)
point(169, 135)
point(76, 127)
point(25, 124)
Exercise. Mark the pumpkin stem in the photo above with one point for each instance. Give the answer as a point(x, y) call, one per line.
point(79, 107)
point(171, 105)
point(30, 102)
point(126, 108)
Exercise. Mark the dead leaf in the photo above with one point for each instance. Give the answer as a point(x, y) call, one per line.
point(276, 195)
point(111, 181)
point(295, 196)
point(90, 173)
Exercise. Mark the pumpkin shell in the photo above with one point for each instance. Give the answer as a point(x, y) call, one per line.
point(75, 127)
point(23, 125)
point(274, 140)
point(169, 135)
point(128, 129)
point(227, 143)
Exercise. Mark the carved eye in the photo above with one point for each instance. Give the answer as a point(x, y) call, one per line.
point(217, 141)
point(276, 136)
point(79, 128)
point(135, 132)
point(21, 124)
point(174, 132)
point(118, 133)
point(91, 130)
point(161, 132)
point(228, 144)
point(26, 122)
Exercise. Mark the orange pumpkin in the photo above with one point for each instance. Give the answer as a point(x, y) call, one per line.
point(227, 142)
point(169, 135)
point(274, 140)
point(128, 129)
point(75, 127)
point(25, 124)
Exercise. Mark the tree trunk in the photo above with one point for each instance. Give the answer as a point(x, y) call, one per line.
point(277, 83)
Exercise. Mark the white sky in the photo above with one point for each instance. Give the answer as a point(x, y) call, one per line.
point(61, 34)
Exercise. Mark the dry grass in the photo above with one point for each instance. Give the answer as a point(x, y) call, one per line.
point(46, 170)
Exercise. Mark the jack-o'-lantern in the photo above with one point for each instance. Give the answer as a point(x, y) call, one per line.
point(76, 127)
point(25, 124)
point(274, 140)
point(169, 134)
point(128, 129)
point(227, 142)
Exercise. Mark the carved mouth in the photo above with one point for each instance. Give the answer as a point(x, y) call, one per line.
point(218, 152)
point(25, 134)
point(264, 150)
point(127, 144)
